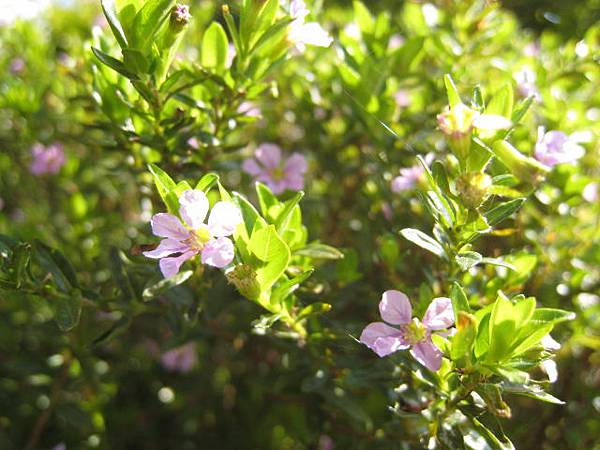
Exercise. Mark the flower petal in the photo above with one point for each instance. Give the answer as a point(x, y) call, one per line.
point(492, 122)
point(382, 339)
point(223, 219)
point(170, 266)
point(269, 155)
point(427, 354)
point(439, 314)
point(251, 167)
point(194, 206)
point(296, 164)
point(167, 247)
point(395, 308)
point(218, 252)
point(169, 226)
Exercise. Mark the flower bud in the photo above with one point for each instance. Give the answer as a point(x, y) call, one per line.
point(473, 188)
point(243, 277)
point(523, 167)
point(457, 124)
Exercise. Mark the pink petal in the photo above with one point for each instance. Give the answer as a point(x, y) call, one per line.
point(251, 167)
point(167, 247)
point(382, 339)
point(395, 308)
point(439, 314)
point(294, 182)
point(296, 164)
point(170, 266)
point(427, 354)
point(194, 206)
point(169, 226)
point(269, 155)
point(223, 219)
point(218, 252)
point(276, 186)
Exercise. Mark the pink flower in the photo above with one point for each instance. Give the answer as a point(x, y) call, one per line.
point(301, 33)
point(194, 237)
point(17, 66)
point(269, 168)
point(249, 109)
point(402, 98)
point(590, 192)
point(46, 159)
point(410, 176)
point(326, 443)
point(555, 147)
point(526, 86)
point(395, 309)
point(181, 359)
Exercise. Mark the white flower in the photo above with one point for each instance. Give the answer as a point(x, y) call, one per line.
point(301, 33)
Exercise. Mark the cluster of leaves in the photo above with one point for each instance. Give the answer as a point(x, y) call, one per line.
point(512, 244)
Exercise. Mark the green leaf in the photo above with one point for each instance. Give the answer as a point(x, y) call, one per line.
point(319, 251)
point(285, 216)
point(249, 212)
point(113, 22)
point(511, 374)
point(285, 289)
point(551, 316)
point(214, 48)
point(266, 199)
point(165, 187)
point(464, 339)
point(363, 17)
point(494, 442)
point(466, 260)
point(120, 274)
point(503, 324)
point(459, 300)
point(521, 109)
point(502, 102)
point(424, 241)
point(114, 64)
point(532, 391)
point(148, 20)
point(207, 182)
point(269, 248)
point(164, 285)
point(503, 211)
point(117, 328)
point(313, 309)
point(453, 95)
point(67, 309)
point(56, 264)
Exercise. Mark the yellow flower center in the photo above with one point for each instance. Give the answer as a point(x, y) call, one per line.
point(198, 238)
point(414, 332)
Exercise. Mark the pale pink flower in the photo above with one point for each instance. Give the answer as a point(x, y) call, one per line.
point(526, 86)
point(410, 176)
point(17, 66)
point(180, 359)
point(555, 147)
point(396, 41)
point(590, 192)
point(301, 33)
point(402, 98)
point(194, 237)
point(411, 333)
point(325, 443)
point(269, 168)
point(249, 109)
point(46, 160)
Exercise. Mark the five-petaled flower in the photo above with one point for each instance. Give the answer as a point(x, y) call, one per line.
point(411, 333)
point(301, 33)
point(279, 175)
point(555, 147)
point(193, 236)
point(46, 160)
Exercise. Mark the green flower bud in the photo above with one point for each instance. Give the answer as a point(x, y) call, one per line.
point(523, 167)
point(457, 124)
point(243, 277)
point(473, 188)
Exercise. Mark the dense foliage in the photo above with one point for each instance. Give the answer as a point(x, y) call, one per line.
point(267, 224)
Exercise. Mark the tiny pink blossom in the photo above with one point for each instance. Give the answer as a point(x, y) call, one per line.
point(46, 160)
point(268, 167)
point(410, 176)
point(326, 443)
point(181, 359)
point(249, 109)
point(402, 98)
point(17, 66)
point(526, 86)
point(396, 41)
point(590, 192)
point(395, 309)
point(193, 236)
point(555, 147)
